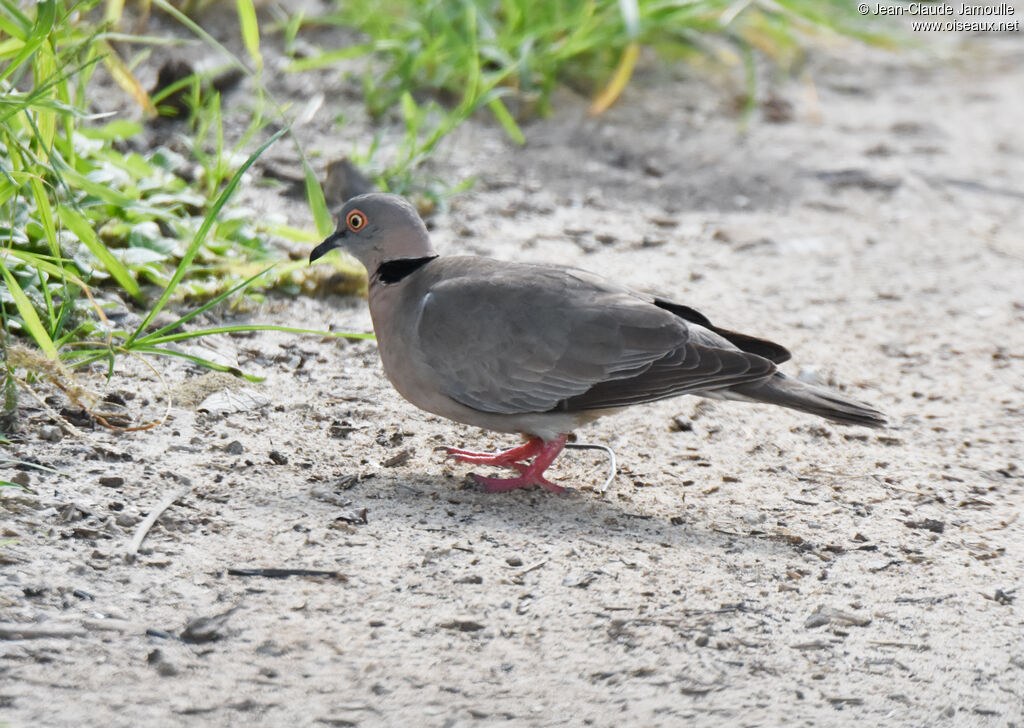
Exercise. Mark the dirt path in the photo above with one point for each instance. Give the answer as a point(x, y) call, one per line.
point(748, 567)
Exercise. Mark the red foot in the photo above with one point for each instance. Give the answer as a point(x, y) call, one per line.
point(514, 458)
point(532, 474)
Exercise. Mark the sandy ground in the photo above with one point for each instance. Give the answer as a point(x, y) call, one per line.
point(748, 566)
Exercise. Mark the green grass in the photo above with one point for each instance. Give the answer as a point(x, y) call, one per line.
point(509, 55)
point(84, 217)
point(79, 210)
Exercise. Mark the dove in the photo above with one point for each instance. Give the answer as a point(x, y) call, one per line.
point(541, 350)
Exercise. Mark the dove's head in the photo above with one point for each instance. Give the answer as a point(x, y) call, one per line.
point(377, 228)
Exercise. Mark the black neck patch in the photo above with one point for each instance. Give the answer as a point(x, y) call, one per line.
point(392, 271)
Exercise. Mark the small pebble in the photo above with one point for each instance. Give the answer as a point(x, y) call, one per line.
point(126, 520)
point(163, 666)
point(50, 433)
point(680, 424)
point(400, 458)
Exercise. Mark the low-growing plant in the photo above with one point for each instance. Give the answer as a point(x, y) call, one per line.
point(83, 211)
point(477, 53)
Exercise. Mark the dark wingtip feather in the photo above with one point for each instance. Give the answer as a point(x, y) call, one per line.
point(750, 344)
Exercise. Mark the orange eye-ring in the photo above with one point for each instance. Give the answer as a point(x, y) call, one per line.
point(356, 221)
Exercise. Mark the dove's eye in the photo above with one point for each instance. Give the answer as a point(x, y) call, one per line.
point(356, 221)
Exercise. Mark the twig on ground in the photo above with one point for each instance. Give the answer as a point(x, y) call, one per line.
point(283, 573)
point(60, 419)
point(143, 530)
point(10, 631)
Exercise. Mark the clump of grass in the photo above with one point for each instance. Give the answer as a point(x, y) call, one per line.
point(82, 206)
point(472, 54)
point(82, 211)
point(141, 340)
point(398, 169)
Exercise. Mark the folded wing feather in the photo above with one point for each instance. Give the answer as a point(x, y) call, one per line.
point(521, 338)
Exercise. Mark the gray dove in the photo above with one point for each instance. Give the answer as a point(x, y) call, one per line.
point(543, 349)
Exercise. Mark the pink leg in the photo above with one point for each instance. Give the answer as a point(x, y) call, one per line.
point(508, 459)
point(532, 474)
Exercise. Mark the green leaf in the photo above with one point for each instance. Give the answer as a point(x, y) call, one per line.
point(317, 203)
point(331, 57)
point(28, 314)
point(44, 213)
point(46, 13)
point(250, 30)
point(185, 335)
point(507, 122)
point(119, 129)
point(83, 230)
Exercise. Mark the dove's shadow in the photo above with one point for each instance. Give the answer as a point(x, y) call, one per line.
point(544, 516)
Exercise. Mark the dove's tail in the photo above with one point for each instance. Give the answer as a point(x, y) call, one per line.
point(792, 393)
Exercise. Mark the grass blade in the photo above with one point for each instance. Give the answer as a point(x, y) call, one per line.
point(200, 361)
point(317, 203)
point(28, 314)
point(185, 335)
point(41, 262)
point(18, 25)
point(114, 11)
point(620, 78)
point(331, 57)
point(46, 13)
point(109, 195)
point(124, 78)
point(151, 337)
point(77, 224)
point(200, 236)
point(37, 466)
point(507, 122)
point(45, 214)
point(199, 32)
point(250, 30)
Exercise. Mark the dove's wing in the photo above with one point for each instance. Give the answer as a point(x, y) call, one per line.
point(510, 338)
